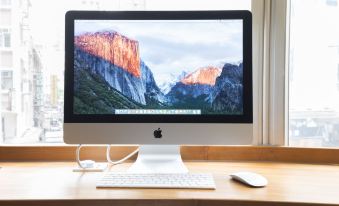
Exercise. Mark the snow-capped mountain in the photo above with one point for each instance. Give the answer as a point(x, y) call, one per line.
point(172, 80)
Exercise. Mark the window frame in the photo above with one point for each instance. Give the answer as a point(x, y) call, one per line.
point(271, 105)
point(278, 77)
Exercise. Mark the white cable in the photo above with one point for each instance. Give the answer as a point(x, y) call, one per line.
point(108, 150)
point(78, 156)
point(108, 156)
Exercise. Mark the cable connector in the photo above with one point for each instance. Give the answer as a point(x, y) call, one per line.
point(87, 165)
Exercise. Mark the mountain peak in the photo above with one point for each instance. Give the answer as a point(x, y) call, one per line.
point(205, 75)
point(112, 47)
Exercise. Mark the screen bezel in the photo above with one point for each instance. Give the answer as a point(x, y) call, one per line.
point(71, 16)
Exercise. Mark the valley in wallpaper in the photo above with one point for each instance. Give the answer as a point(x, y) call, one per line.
point(150, 67)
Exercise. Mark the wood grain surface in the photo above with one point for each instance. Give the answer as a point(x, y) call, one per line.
point(54, 183)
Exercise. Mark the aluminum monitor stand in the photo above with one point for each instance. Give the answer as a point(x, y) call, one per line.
point(158, 159)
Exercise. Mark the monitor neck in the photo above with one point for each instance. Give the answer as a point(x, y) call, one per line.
point(158, 159)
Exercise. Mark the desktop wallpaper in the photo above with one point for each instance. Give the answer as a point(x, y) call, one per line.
point(150, 66)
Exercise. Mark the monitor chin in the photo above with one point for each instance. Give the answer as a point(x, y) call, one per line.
point(158, 133)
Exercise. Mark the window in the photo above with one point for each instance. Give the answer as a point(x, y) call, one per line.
point(6, 59)
point(5, 17)
point(5, 38)
point(6, 80)
point(314, 73)
point(32, 106)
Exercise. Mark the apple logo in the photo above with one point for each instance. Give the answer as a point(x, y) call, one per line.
point(157, 133)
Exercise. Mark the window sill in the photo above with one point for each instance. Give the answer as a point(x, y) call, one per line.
point(208, 153)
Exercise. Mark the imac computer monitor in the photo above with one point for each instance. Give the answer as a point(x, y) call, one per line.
point(158, 78)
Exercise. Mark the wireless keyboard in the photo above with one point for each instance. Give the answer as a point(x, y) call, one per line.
point(185, 180)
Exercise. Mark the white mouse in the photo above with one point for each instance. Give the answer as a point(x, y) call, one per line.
point(250, 178)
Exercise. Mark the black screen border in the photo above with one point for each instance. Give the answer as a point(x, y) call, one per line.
point(71, 16)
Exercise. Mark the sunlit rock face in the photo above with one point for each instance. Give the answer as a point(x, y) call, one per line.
point(206, 75)
point(112, 47)
point(115, 58)
point(196, 84)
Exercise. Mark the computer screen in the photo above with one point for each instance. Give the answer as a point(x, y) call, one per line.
point(187, 74)
point(158, 67)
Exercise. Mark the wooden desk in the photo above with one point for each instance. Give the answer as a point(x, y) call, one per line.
point(48, 183)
